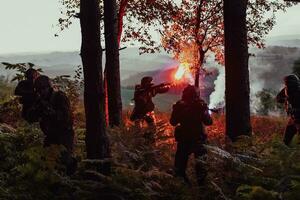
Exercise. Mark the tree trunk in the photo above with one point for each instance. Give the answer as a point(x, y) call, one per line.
point(121, 14)
point(236, 69)
point(97, 143)
point(200, 64)
point(112, 63)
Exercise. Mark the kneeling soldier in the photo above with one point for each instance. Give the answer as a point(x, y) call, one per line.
point(52, 111)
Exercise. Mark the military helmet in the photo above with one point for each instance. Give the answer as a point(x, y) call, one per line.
point(190, 93)
point(292, 80)
point(31, 73)
point(146, 81)
point(42, 82)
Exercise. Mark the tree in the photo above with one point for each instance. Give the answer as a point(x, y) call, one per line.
point(237, 88)
point(266, 103)
point(97, 143)
point(197, 27)
point(145, 12)
point(112, 66)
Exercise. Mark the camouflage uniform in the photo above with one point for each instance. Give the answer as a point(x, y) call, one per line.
point(52, 111)
point(25, 89)
point(144, 106)
point(290, 96)
point(189, 115)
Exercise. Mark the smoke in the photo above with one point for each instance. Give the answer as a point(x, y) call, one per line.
point(216, 98)
point(266, 70)
point(257, 84)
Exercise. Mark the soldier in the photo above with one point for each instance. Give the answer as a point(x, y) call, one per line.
point(290, 96)
point(25, 90)
point(189, 115)
point(144, 106)
point(52, 111)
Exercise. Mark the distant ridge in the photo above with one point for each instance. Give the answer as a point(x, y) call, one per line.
point(284, 40)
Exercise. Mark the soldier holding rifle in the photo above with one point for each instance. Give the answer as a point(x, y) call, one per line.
point(144, 106)
point(290, 96)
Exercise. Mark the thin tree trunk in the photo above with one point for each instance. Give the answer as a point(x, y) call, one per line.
point(236, 69)
point(121, 14)
point(112, 63)
point(97, 143)
point(200, 64)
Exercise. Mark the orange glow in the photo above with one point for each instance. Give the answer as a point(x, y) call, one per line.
point(182, 68)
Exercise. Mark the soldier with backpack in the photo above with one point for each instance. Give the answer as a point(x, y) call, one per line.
point(25, 90)
point(190, 115)
point(290, 96)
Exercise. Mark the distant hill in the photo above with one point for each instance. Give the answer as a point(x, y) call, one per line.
point(55, 63)
point(284, 41)
point(266, 69)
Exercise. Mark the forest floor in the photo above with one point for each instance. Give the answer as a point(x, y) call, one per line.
point(260, 167)
point(257, 167)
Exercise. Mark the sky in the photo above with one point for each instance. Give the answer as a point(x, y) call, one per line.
point(30, 26)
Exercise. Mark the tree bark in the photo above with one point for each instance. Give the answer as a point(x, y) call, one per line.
point(200, 64)
point(112, 63)
point(236, 69)
point(97, 143)
point(121, 14)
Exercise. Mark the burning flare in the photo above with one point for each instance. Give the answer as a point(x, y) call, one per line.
point(182, 68)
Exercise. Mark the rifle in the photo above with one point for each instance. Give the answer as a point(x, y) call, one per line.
point(162, 85)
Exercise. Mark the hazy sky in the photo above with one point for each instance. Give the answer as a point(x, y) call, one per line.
point(30, 25)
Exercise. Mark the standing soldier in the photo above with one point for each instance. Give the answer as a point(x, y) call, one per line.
point(144, 106)
point(25, 90)
point(189, 115)
point(52, 111)
point(290, 96)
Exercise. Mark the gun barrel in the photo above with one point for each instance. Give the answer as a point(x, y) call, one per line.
point(214, 110)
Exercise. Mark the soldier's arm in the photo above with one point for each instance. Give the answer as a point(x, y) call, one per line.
point(207, 120)
point(163, 88)
point(205, 116)
point(62, 110)
point(23, 89)
point(19, 91)
point(175, 116)
point(281, 97)
point(34, 113)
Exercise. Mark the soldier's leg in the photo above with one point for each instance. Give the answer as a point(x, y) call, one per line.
point(151, 120)
point(151, 129)
point(138, 124)
point(200, 154)
point(181, 159)
point(290, 131)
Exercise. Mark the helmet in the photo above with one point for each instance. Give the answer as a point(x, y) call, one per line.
point(42, 82)
point(31, 74)
point(291, 80)
point(190, 93)
point(146, 81)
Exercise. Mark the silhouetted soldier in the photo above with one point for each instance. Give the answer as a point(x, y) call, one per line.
point(144, 106)
point(25, 89)
point(52, 111)
point(189, 115)
point(290, 96)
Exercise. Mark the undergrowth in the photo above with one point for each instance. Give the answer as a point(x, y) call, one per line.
point(253, 168)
